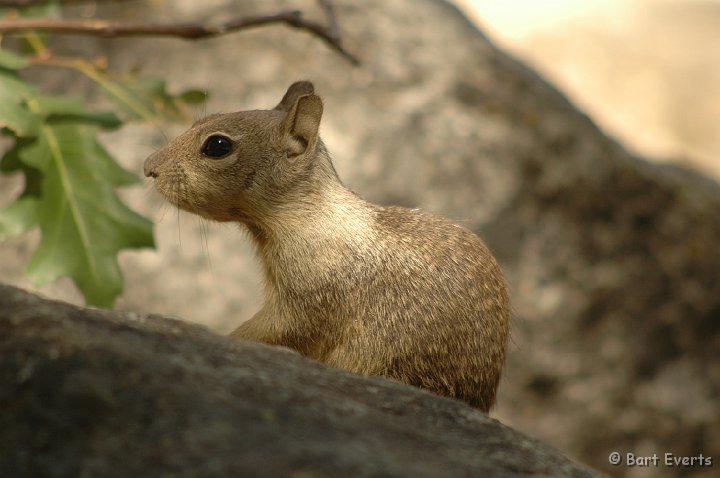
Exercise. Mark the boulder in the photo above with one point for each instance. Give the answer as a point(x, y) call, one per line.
point(91, 392)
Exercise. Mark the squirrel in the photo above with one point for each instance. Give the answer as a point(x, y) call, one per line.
point(375, 290)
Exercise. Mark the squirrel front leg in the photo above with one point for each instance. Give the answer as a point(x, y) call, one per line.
point(256, 329)
point(268, 327)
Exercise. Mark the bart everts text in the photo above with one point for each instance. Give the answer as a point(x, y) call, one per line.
point(655, 460)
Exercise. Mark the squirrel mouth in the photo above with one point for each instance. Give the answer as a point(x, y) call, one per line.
point(176, 194)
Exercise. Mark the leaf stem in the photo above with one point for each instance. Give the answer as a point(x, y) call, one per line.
point(36, 43)
point(114, 89)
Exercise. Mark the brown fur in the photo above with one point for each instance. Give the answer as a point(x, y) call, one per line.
point(375, 290)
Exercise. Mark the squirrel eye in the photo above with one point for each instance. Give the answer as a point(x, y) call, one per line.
point(217, 146)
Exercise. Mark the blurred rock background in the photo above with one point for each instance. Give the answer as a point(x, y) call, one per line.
point(612, 261)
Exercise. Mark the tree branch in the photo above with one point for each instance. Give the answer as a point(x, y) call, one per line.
point(20, 3)
point(187, 31)
point(30, 3)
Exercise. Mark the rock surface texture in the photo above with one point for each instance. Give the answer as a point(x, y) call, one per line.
point(613, 262)
point(89, 392)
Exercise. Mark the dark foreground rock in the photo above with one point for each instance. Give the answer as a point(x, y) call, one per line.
point(87, 392)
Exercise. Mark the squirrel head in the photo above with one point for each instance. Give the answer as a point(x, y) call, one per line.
point(238, 166)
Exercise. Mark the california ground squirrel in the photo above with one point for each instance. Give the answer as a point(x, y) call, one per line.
point(375, 290)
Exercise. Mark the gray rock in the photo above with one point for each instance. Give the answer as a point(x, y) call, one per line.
point(90, 392)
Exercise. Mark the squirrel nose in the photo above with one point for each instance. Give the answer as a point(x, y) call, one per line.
point(151, 164)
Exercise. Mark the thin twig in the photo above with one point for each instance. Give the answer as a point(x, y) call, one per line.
point(188, 31)
point(29, 3)
point(21, 3)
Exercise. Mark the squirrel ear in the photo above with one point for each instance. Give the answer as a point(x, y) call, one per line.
point(296, 90)
point(302, 124)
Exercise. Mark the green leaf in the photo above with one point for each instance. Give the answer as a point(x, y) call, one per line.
point(84, 225)
point(193, 97)
point(103, 119)
point(14, 113)
point(70, 179)
point(18, 218)
point(23, 109)
point(57, 109)
point(11, 61)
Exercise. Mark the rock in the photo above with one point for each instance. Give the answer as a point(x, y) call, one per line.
point(613, 262)
point(90, 392)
